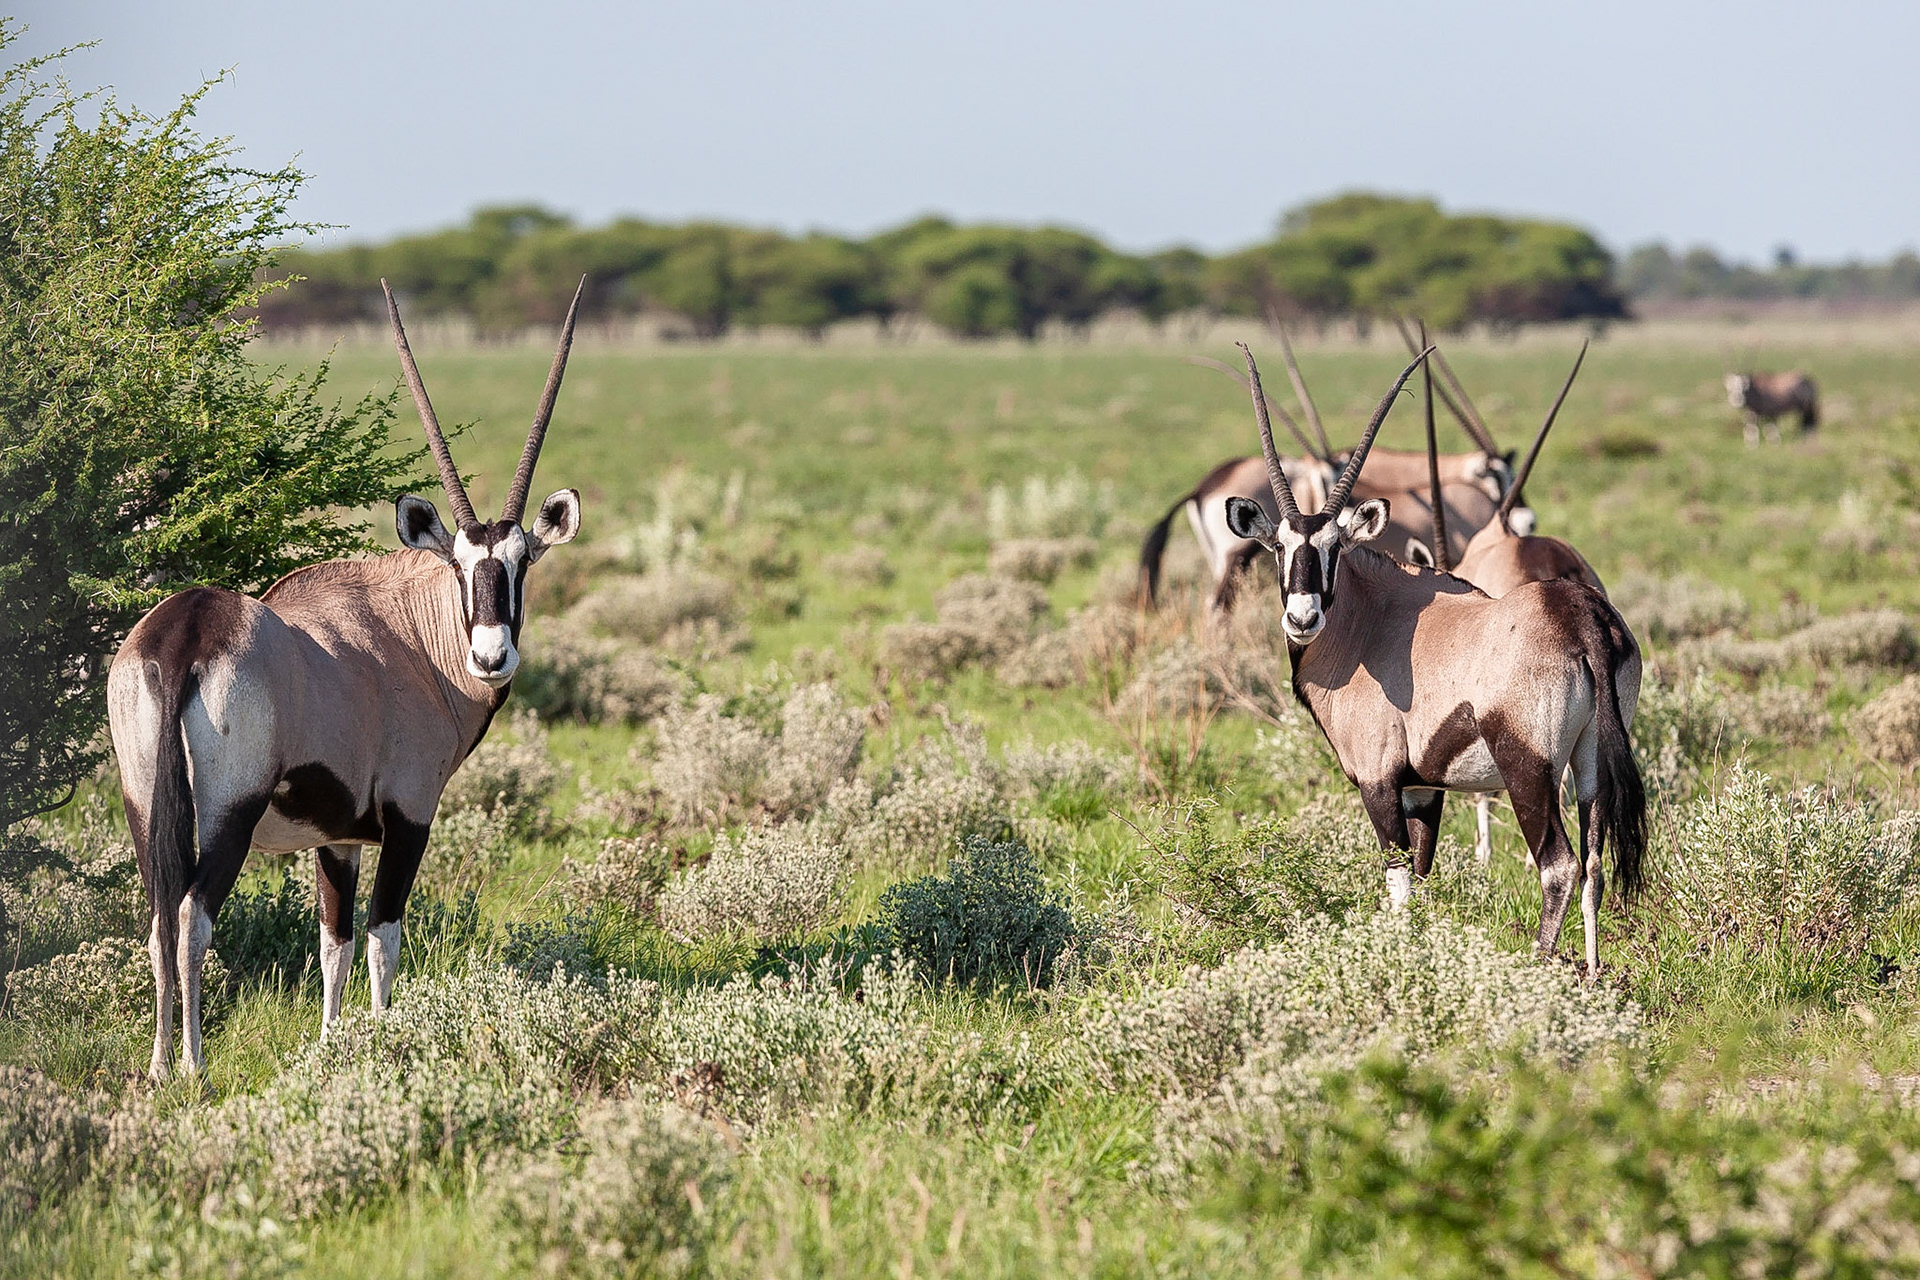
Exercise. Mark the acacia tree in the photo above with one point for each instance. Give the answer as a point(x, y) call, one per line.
point(141, 450)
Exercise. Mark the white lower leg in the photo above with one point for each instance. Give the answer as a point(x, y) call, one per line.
point(336, 962)
point(1590, 918)
point(196, 936)
point(161, 1065)
point(383, 958)
point(1399, 887)
point(1483, 843)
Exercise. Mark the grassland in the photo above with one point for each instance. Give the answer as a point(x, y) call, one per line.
point(1729, 1095)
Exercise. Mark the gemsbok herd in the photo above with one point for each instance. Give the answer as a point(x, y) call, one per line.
point(1438, 643)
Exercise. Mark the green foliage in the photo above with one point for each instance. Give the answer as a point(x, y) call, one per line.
point(989, 919)
point(1657, 273)
point(1254, 883)
point(1410, 1173)
point(143, 452)
point(270, 933)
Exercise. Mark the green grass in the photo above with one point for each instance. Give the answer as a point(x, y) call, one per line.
point(900, 448)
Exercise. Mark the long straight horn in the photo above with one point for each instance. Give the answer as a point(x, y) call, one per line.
point(1300, 390)
point(1468, 416)
point(1512, 500)
point(1276, 476)
point(1442, 554)
point(442, 456)
point(1208, 362)
point(537, 435)
point(1343, 487)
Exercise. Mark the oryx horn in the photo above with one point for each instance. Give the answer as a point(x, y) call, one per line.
point(442, 456)
point(1508, 503)
point(1463, 409)
point(536, 436)
point(1442, 554)
point(1276, 477)
point(1343, 487)
point(1300, 388)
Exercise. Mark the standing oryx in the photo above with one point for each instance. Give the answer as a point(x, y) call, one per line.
point(1498, 559)
point(328, 714)
point(1472, 486)
point(1424, 685)
point(1768, 395)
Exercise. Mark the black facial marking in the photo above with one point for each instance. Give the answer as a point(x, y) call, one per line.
point(492, 603)
point(314, 796)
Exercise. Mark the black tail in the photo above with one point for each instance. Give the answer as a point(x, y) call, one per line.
point(169, 844)
point(1810, 415)
point(1152, 550)
point(1622, 799)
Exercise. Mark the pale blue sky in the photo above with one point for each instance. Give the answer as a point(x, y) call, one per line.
point(1741, 125)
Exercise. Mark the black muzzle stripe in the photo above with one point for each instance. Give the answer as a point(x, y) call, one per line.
point(492, 598)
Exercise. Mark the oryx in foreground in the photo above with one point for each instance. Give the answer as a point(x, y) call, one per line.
point(1498, 559)
point(1472, 485)
point(1423, 685)
point(328, 714)
point(1766, 396)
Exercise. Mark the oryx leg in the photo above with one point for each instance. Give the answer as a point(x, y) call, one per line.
point(165, 984)
point(1422, 808)
point(1533, 785)
point(1585, 769)
point(403, 843)
point(1383, 804)
point(1752, 432)
point(336, 876)
point(1483, 840)
point(221, 858)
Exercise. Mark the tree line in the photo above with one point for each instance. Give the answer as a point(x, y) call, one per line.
point(1352, 257)
point(1655, 272)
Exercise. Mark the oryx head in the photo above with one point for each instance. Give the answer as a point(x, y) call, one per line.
point(1307, 548)
point(1739, 386)
point(490, 559)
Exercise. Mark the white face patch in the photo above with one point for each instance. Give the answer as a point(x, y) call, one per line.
point(491, 654)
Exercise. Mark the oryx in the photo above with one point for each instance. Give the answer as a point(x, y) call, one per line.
point(328, 714)
point(1765, 396)
point(1472, 485)
point(1498, 558)
point(1423, 685)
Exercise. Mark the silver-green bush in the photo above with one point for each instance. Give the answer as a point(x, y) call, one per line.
point(770, 883)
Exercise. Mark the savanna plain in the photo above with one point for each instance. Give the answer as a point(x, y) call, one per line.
point(860, 883)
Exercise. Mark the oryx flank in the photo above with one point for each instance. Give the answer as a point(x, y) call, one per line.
point(1766, 396)
point(1472, 485)
point(1423, 685)
point(1498, 559)
point(328, 714)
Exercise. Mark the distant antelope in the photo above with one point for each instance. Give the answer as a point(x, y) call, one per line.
point(1498, 559)
point(1766, 396)
point(328, 714)
point(1423, 685)
point(1472, 485)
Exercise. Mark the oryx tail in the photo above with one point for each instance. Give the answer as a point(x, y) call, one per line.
point(167, 852)
point(1621, 804)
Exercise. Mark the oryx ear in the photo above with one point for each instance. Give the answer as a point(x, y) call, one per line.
point(559, 521)
point(1363, 523)
point(1521, 521)
point(1417, 553)
point(418, 524)
point(1248, 519)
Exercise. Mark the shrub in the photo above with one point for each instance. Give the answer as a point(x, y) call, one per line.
point(716, 761)
point(49, 1139)
point(103, 984)
point(981, 619)
point(1803, 878)
point(1785, 713)
point(1678, 730)
point(941, 791)
point(989, 919)
point(512, 772)
point(627, 874)
point(772, 884)
point(467, 848)
point(1259, 882)
point(634, 1203)
point(1879, 638)
point(270, 933)
point(1235, 1051)
point(1888, 728)
point(866, 565)
point(1663, 610)
point(1040, 560)
point(570, 674)
point(1072, 780)
point(1061, 508)
point(59, 889)
point(681, 611)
